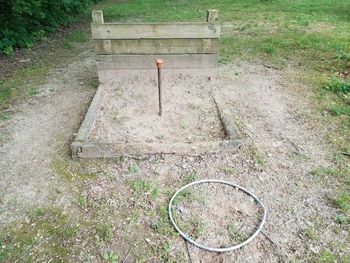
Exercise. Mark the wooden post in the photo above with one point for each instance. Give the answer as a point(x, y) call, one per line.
point(212, 15)
point(97, 17)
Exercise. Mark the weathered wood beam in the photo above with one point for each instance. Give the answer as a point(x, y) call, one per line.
point(156, 46)
point(97, 17)
point(117, 62)
point(155, 30)
point(91, 149)
point(212, 15)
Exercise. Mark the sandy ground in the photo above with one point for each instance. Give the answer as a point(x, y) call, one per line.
point(280, 148)
point(129, 109)
point(37, 133)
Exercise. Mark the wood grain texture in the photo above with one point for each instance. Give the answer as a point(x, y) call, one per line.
point(112, 150)
point(226, 116)
point(156, 46)
point(155, 30)
point(97, 16)
point(116, 62)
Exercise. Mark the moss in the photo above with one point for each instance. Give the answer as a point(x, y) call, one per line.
point(46, 234)
point(65, 171)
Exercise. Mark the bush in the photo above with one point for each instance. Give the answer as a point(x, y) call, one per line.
point(24, 21)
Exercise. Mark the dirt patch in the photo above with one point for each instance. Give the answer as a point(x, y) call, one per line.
point(37, 133)
point(123, 209)
point(129, 108)
point(232, 215)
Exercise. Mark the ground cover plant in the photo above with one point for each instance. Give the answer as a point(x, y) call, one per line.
point(109, 210)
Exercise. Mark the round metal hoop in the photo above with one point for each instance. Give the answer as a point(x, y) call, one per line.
point(226, 249)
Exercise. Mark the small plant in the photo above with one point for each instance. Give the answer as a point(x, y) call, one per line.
point(325, 257)
point(338, 110)
point(337, 85)
point(155, 193)
point(342, 219)
point(229, 171)
point(133, 169)
point(32, 92)
point(8, 51)
point(310, 233)
point(190, 177)
point(140, 186)
point(4, 116)
point(234, 234)
point(342, 202)
point(104, 232)
point(82, 201)
point(110, 257)
point(323, 171)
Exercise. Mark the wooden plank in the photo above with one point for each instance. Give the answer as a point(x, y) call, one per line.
point(155, 30)
point(212, 15)
point(88, 121)
point(226, 116)
point(90, 149)
point(156, 46)
point(97, 16)
point(117, 62)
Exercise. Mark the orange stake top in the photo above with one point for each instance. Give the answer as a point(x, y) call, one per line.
point(159, 63)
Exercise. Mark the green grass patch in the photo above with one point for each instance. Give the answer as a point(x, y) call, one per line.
point(21, 83)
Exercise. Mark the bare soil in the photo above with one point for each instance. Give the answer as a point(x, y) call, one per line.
point(129, 108)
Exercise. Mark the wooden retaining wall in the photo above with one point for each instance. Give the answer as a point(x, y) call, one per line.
point(138, 45)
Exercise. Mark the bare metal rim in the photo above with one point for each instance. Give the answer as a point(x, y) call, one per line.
point(213, 249)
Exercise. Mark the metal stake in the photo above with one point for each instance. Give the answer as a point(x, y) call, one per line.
point(159, 63)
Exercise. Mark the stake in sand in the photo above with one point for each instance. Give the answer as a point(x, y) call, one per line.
point(159, 64)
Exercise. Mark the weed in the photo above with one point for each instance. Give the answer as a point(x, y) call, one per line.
point(154, 193)
point(110, 257)
point(325, 257)
point(235, 234)
point(342, 219)
point(339, 110)
point(162, 224)
point(342, 201)
point(4, 116)
point(190, 177)
point(82, 201)
point(311, 234)
point(337, 85)
point(229, 171)
point(133, 169)
point(324, 171)
point(140, 186)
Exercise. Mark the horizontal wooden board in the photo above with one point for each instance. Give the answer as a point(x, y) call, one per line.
point(91, 149)
point(155, 30)
point(156, 46)
point(115, 62)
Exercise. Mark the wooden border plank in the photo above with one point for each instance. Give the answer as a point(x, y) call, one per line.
point(91, 149)
point(118, 62)
point(156, 46)
point(88, 122)
point(155, 30)
point(226, 116)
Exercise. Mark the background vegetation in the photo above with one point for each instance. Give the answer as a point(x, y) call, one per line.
point(22, 22)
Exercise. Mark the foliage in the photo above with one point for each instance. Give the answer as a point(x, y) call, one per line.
point(22, 22)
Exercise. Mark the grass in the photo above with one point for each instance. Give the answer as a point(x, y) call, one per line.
point(234, 234)
point(45, 229)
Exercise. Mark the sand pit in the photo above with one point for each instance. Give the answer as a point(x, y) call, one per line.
point(123, 118)
point(129, 109)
